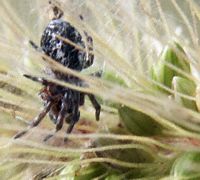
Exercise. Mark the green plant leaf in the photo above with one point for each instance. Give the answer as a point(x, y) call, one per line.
point(113, 177)
point(110, 76)
point(187, 166)
point(164, 74)
point(138, 123)
point(186, 87)
point(74, 172)
point(130, 155)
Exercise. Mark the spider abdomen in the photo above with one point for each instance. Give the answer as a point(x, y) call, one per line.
point(61, 51)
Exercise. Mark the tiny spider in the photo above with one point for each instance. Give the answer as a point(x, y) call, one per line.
point(62, 103)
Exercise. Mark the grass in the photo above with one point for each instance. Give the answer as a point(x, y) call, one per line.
point(150, 97)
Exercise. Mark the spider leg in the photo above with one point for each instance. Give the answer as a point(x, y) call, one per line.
point(82, 99)
point(96, 105)
point(61, 116)
point(89, 53)
point(92, 98)
point(89, 48)
point(97, 73)
point(37, 79)
point(36, 120)
point(75, 113)
point(69, 129)
point(34, 46)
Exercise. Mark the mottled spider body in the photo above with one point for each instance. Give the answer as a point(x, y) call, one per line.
point(62, 103)
point(60, 51)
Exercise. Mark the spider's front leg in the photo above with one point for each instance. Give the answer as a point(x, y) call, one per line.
point(50, 101)
point(38, 79)
point(36, 121)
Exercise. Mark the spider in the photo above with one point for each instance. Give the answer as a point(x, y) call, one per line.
point(62, 103)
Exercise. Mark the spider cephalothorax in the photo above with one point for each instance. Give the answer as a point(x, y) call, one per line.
point(62, 103)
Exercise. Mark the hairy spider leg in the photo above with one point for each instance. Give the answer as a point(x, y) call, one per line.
point(62, 115)
point(97, 73)
point(89, 55)
point(96, 105)
point(35, 46)
point(75, 113)
point(92, 98)
point(94, 102)
point(82, 99)
point(89, 45)
point(36, 120)
point(37, 79)
point(58, 12)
